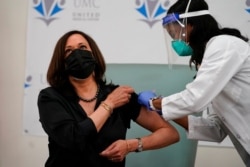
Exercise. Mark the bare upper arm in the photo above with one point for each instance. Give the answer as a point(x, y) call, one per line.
point(151, 120)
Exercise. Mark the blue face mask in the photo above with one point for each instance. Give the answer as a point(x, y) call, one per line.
point(182, 48)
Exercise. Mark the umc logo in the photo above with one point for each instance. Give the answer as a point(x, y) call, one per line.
point(151, 10)
point(27, 82)
point(48, 9)
point(248, 5)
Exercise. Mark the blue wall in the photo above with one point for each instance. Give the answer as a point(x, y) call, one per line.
point(164, 81)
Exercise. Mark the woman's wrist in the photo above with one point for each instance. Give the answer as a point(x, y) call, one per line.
point(107, 107)
point(157, 103)
point(134, 145)
point(128, 146)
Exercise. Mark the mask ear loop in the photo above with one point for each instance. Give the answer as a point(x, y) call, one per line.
point(182, 26)
point(185, 20)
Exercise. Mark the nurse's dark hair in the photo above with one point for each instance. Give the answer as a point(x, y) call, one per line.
point(204, 28)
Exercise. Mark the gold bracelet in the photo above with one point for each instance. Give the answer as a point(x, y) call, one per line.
point(107, 108)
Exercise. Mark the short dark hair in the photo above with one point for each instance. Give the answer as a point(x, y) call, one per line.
point(56, 75)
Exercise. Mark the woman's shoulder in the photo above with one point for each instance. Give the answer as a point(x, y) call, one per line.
point(66, 91)
point(53, 94)
point(48, 90)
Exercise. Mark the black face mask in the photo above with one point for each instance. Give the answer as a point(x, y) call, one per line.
point(80, 63)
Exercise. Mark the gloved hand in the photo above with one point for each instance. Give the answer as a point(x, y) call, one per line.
point(144, 97)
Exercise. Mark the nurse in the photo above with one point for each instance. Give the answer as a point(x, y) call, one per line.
point(222, 60)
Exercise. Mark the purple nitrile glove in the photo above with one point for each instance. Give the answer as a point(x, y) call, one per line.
point(144, 97)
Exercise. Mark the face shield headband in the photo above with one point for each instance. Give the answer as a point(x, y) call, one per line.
point(174, 25)
point(175, 17)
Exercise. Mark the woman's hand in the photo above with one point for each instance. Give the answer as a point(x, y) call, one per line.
point(117, 151)
point(120, 96)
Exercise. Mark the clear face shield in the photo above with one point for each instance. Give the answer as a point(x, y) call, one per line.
point(175, 32)
point(175, 37)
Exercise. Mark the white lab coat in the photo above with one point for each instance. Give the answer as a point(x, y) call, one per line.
point(223, 79)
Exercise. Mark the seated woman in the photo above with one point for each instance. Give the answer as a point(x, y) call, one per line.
point(85, 117)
